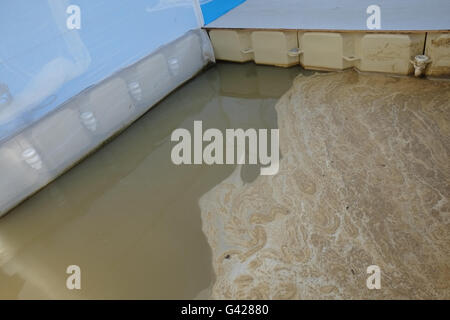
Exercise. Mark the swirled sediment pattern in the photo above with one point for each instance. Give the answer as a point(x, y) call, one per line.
point(363, 180)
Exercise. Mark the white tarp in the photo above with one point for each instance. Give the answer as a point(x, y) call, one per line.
point(65, 91)
point(337, 15)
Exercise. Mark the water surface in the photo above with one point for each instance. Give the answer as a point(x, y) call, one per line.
point(126, 215)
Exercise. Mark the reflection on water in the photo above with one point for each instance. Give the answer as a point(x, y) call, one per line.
point(126, 215)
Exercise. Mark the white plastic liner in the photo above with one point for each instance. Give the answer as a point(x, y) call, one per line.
point(51, 50)
point(32, 158)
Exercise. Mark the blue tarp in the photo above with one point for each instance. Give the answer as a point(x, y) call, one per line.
point(213, 9)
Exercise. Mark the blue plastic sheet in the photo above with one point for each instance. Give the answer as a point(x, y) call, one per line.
point(213, 9)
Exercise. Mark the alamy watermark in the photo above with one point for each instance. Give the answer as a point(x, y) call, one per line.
point(73, 281)
point(373, 22)
point(234, 140)
point(374, 280)
point(74, 20)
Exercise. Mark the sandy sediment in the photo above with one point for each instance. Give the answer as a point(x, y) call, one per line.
point(364, 180)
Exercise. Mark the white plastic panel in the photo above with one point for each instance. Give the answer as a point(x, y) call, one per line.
point(21, 169)
point(324, 50)
point(232, 45)
point(148, 80)
point(438, 49)
point(60, 138)
point(110, 104)
point(390, 53)
point(272, 47)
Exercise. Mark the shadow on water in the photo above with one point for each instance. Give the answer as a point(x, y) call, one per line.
point(128, 216)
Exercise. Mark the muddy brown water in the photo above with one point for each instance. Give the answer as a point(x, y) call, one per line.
point(128, 216)
point(363, 185)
